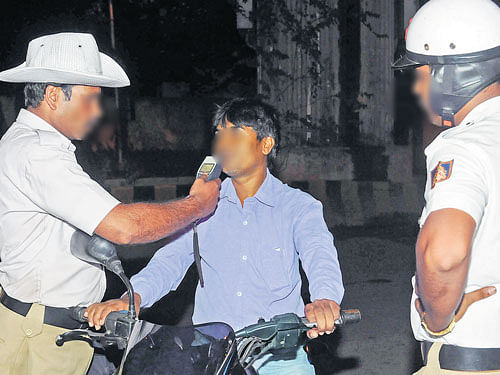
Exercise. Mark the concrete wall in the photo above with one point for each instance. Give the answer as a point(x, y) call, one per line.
point(366, 163)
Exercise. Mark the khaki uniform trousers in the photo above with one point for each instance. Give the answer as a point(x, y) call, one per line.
point(28, 346)
point(433, 367)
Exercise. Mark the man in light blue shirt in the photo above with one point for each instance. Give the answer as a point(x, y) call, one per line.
point(251, 245)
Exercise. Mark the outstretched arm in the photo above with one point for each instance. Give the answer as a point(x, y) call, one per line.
point(65, 191)
point(147, 222)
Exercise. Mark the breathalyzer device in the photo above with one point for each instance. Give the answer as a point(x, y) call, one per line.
point(212, 169)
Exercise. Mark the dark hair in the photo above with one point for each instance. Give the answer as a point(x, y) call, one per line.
point(252, 113)
point(35, 92)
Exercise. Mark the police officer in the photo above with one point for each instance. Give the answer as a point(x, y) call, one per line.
point(455, 47)
point(45, 196)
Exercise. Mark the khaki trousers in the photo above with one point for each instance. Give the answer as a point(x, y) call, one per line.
point(28, 347)
point(433, 367)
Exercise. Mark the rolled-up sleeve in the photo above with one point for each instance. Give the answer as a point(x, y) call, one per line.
point(318, 254)
point(55, 182)
point(165, 270)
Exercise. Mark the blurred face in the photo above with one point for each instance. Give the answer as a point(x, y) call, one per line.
point(79, 115)
point(422, 89)
point(239, 149)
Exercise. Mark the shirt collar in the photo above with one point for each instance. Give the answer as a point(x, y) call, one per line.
point(28, 118)
point(477, 114)
point(482, 110)
point(266, 193)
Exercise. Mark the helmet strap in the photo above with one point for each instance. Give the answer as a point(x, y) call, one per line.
point(447, 119)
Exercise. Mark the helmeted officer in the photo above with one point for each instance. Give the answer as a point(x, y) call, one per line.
point(45, 196)
point(455, 47)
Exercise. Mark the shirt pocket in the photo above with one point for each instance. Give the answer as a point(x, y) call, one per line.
point(274, 268)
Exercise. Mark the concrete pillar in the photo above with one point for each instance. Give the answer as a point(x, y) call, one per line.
point(290, 84)
point(376, 81)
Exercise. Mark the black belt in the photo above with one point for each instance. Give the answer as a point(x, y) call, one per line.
point(54, 316)
point(457, 358)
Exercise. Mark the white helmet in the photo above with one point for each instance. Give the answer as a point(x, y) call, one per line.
point(460, 40)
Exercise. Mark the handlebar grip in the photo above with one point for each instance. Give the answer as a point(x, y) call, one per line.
point(349, 317)
point(77, 314)
point(346, 317)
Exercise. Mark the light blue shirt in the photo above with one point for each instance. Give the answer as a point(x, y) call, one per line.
point(250, 257)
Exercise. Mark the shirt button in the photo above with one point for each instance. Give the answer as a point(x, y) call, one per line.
point(29, 332)
point(244, 257)
point(245, 222)
point(239, 294)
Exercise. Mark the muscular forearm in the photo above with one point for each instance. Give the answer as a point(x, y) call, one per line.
point(443, 256)
point(440, 287)
point(146, 222)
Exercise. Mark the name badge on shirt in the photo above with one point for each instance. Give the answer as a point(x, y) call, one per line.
point(441, 173)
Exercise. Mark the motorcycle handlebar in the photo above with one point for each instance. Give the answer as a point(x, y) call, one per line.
point(290, 321)
point(346, 317)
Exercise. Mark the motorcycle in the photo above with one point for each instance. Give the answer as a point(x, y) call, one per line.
point(204, 349)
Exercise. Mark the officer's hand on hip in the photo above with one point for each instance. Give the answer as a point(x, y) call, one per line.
point(323, 312)
point(467, 300)
point(206, 194)
point(97, 313)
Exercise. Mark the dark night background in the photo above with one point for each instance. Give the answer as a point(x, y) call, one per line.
point(191, 41)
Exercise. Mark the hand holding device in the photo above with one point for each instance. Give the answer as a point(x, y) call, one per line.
point(209, 170)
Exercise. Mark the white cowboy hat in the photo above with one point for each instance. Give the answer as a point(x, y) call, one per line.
point(67, 58)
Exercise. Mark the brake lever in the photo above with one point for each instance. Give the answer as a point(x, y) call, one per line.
point(74, 335)
point(94, 339)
